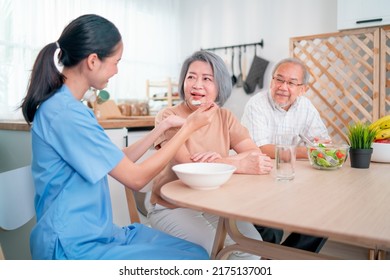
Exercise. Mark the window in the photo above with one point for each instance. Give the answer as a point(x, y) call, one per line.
point(149, 30)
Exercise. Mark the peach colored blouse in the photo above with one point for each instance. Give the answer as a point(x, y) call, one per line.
point(224, 132)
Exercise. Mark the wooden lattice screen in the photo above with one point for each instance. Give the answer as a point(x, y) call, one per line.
point(346, 72)
point(385, 71)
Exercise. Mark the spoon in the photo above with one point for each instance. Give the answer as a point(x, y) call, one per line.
point(331, 160)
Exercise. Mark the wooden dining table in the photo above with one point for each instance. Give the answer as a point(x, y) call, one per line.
point(348, 205)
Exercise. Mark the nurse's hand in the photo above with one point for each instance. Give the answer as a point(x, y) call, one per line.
point(173, 121)
point(202, 116)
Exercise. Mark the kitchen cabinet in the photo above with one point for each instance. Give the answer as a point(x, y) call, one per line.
point(166, 92)
point(142, 202)
point(120, 210)
point(350, 75)
point(362, 13)
point(124, 200)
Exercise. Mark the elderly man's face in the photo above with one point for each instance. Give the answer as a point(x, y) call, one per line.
point(286, 85)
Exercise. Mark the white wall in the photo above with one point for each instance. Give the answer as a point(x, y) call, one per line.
point(217, 23)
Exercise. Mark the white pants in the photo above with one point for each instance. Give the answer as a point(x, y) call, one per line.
point(197, 227)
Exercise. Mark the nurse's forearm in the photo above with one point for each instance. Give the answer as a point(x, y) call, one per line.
point(136, 176)
point(138, 148)
point(162, 156)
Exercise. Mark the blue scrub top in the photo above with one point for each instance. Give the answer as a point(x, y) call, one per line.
point(72, 156)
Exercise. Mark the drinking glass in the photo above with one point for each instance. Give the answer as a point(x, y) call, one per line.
point(285, 156)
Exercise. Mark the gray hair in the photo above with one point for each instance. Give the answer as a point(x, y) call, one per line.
point(220, 72)
point(296, 61)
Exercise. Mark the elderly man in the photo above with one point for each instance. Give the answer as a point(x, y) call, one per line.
point(284, 109)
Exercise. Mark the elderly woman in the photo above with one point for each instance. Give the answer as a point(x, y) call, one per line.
point(205, 78)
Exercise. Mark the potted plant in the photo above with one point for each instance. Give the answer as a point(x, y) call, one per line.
point(360, 138)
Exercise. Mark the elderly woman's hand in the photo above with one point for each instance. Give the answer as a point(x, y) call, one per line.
point(254, 162)
point(205, 157)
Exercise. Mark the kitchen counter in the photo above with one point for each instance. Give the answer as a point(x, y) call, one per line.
point(129, 122)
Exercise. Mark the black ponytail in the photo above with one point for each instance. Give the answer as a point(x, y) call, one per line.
point(44, 81)
point(85, 35)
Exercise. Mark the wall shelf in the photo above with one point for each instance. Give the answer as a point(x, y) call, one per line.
point(167, 84)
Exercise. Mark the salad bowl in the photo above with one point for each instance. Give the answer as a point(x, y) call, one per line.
point(327, 156)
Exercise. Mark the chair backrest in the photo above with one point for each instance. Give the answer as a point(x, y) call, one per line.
point(16, 198)
point(1, 254)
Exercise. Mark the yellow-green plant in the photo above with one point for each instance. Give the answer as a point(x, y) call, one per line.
point(361, 135)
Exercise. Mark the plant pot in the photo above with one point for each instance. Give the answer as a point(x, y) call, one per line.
point(360, 158)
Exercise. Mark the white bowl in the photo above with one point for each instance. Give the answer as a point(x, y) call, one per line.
point(204, 176)
point(380, 152)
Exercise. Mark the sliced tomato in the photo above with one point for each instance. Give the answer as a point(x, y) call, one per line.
point(339, 154)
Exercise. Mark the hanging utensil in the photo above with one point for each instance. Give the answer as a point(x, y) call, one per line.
point(234, 78)
point(244, 65)
point(240, 81)
point(226, 59)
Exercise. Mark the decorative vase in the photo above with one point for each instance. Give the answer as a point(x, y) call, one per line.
point(360, 158)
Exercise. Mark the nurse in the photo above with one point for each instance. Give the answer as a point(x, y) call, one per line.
point(72, 155)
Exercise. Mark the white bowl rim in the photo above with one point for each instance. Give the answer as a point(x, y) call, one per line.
point(229, 168)
point(380, 154)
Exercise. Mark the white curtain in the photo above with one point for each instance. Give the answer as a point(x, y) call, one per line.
point(149, 29)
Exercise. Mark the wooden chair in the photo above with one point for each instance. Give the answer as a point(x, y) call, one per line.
point(136, 202)
point(136, 199)
point(1, 254)
point(132, 206)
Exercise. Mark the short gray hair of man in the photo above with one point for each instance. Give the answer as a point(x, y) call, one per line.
point(296, 61)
